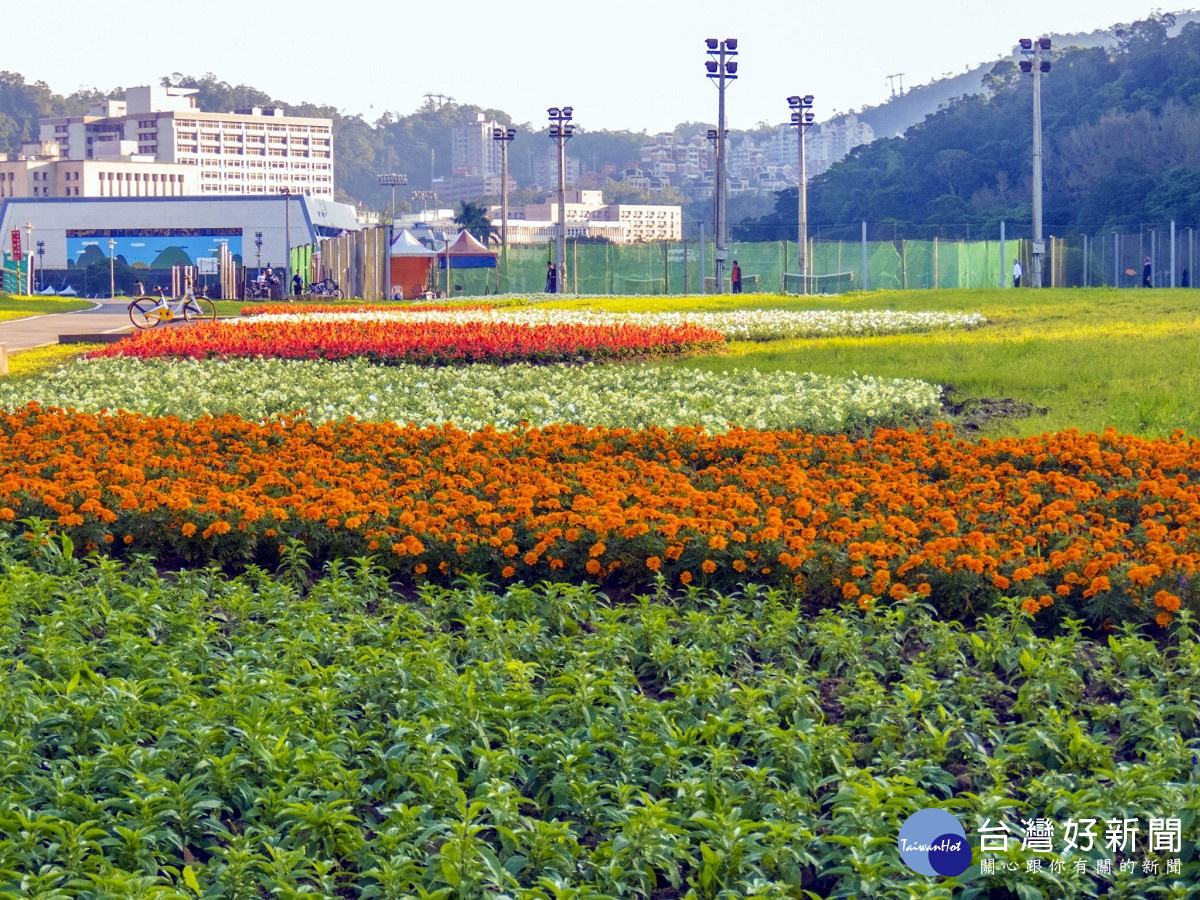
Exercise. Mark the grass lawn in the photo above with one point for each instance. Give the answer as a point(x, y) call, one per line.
point(21, 307)
point(1082, 359)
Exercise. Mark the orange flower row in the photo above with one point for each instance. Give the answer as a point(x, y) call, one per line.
point(1088, 525)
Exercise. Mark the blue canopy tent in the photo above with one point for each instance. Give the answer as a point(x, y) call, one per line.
point(466, 252)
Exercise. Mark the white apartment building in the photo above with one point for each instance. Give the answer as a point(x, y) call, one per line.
point(38, 171)
point(644, 223)
point(588, 216)
point(833, 141)
point(250, 152)
point(824, 144)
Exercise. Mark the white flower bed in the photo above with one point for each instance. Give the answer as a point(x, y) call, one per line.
point(743, 325)
point(474, 396)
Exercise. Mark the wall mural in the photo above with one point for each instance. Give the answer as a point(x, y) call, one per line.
point(151, 248)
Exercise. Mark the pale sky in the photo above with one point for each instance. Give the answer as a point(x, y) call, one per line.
point(621, 64)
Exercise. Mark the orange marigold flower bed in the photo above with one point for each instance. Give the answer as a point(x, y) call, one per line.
point(1102, 526)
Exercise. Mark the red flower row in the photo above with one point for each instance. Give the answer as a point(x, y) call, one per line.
point(416, 342)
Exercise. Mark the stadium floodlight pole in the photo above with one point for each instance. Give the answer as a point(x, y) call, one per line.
point(503, 136)
point(391, 179)
point(802, 118)
point(1035, 65)
point(425, 197)
point(712, 139)
point(560, 132)
point(720, 68)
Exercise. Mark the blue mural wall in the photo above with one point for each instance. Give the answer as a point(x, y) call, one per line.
point(151, 248)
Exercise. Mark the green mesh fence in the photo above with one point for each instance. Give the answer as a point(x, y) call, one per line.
point(767, 267)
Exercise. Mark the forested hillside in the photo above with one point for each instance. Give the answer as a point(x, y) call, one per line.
point(1121, 132)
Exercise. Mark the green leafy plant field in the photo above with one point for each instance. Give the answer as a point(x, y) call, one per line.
point(273, 734)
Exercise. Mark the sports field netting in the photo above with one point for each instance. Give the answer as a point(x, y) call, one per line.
point(885, 261)
point(767, 267)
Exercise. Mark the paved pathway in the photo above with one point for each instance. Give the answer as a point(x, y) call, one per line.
point(107, 317)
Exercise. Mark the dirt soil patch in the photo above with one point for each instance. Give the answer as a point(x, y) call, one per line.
point(975, 413)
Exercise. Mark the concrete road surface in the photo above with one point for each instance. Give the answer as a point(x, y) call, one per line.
point(107, 317)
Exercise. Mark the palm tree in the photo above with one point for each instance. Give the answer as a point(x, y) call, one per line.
point(474, 218)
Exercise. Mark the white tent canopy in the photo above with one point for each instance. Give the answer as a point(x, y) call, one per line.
point(404, 244)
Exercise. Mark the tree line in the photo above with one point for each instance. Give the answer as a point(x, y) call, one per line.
point(1121, 145)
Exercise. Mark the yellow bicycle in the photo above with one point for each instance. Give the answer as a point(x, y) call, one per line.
point(146, 312)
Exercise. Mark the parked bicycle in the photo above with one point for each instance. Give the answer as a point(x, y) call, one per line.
point(325, 288)
point(146, 312)
point(258, 290)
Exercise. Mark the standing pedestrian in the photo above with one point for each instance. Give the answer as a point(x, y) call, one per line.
point(1016, 273)
point(297, 284)
point(1146, 272)
point(551, 278)
point(735, 277)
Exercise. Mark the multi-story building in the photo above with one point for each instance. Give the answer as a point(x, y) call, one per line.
point(756, 162)
point(580, 206)
point(473, 151)
point(644, 223)
point(250, 152)
point(588, 216)
point(545, 169)
point(39, 171)
point(824, 144)
point(833, 140)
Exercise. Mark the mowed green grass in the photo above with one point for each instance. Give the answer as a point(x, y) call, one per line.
point(1082, 358)
point(21, 307)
